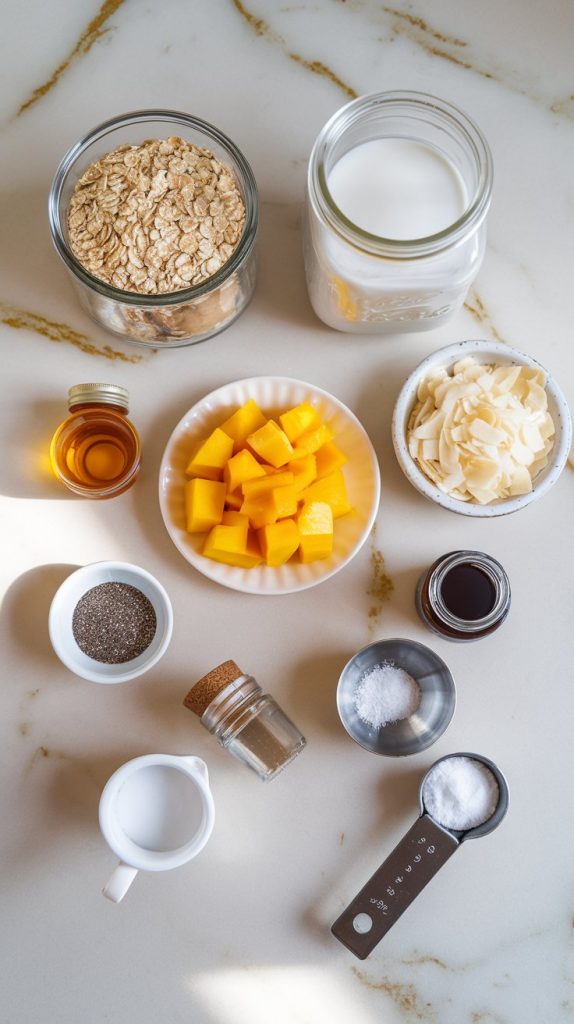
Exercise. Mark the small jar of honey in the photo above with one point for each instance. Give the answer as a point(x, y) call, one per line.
point(96, 451)
point(465, 595)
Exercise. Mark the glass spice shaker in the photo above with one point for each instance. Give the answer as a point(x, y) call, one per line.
point(244, 720)
point(96, 451)
point(465, 595)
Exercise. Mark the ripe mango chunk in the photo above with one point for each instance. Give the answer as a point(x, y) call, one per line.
point(204, 502)
point(331, 489)
point(241, 467)
point(315, 524)
point(312, 440)
point(233, 501)
point(229, 544)
point(260, 510)
point(329, 458)
point(264, 485)
point(271, 444)
point(304, 471)
point(246, 420)
point(285, 500)
point(278, 541)
point(236, 519)
point(296, 421)
point(211, 456)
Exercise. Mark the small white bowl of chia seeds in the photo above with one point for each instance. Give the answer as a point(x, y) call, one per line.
point(110, 622)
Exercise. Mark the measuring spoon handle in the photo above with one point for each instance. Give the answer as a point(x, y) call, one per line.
point(401, 877)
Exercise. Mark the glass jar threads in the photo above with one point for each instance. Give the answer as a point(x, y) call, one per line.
point(398, 188)
point(96, 451)
point(465, 595)
point(244, 720)
point(151, 208)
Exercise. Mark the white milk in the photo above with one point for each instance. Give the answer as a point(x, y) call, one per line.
point(397, 188)
point(159, 808)
point(403, 240)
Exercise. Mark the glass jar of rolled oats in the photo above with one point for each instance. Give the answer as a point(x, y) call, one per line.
point(154, 213)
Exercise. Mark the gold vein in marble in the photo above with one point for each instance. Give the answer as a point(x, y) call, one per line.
point(424, 35)
point(21, 319)
point(477, 309)
point(381, 585)
point(316, 67)
point(570, 464)
point(422, 960)
point(424, 26)
point(89, 36)
point(565, 107)
point(405, 997)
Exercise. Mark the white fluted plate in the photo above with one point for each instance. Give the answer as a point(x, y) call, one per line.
point(273, 395)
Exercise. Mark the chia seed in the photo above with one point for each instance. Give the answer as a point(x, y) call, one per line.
point(114, 623)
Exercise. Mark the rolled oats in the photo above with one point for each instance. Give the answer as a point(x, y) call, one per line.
point(157, 217)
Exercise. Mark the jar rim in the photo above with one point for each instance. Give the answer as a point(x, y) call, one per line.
point(393, 248)
point(494, 572)
point(183, 295)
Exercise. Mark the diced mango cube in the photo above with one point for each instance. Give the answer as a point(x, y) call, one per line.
point(246, 420)
point(241, 467)
point(296, 421)
point(315, 524)
point(331, 489)
point(260, 510)
point(304, 471)
point(252, 555)
point(204, 501)
point(211, 456)
point(232, 546)
point(264, 485)
point(329, 458)
point(271, 444)
point(285, 501)
point(312, 440)
point(233, 501)
point(278, 541)
point(231, 518)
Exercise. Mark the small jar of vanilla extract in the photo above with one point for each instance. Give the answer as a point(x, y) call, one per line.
point(96, 451)
point(465, 595)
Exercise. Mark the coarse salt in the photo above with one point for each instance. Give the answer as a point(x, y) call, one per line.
point(460, 793)
point(386, 694)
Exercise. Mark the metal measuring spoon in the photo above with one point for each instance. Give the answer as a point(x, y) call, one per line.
point(406, 871)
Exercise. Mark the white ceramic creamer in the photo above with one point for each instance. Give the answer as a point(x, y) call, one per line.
point(156, 813)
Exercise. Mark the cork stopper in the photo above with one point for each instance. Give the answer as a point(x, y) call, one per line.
point(201, 695)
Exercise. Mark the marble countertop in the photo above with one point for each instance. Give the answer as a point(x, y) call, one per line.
point(241, 934)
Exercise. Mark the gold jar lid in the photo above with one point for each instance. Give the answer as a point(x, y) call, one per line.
point(104, 394)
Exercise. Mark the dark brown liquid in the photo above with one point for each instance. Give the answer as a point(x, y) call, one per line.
point(468, 593)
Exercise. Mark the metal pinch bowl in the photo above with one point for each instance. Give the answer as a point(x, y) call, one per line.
point(409, 868)
point(429, 721)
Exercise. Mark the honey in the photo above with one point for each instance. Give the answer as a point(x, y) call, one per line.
point(96, 450)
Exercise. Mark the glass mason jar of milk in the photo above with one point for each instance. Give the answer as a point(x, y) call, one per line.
point(398, 189)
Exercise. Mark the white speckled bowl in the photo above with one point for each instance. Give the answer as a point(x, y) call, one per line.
point(273, 395)
point(485, 352)
point(62, 611)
